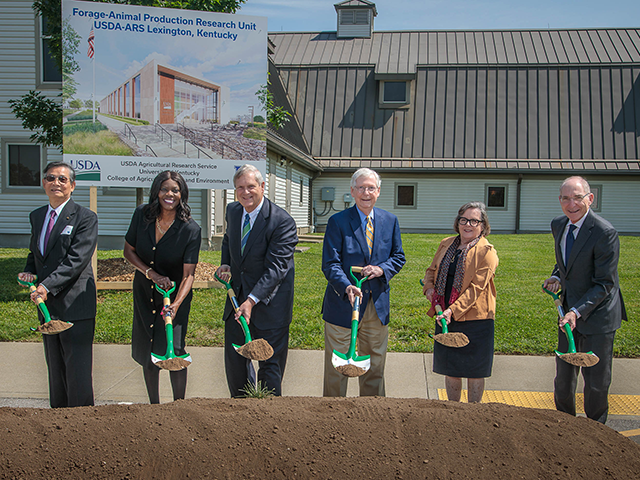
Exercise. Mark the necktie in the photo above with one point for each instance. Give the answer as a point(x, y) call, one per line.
point(246, 228)
point(52, 221)
point(369, 234)
point(569, 243)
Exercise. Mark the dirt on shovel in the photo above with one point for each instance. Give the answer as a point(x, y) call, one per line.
point(53, 326)
point(580, 359)
point(351, 370)
point(173, 364)
point(452, 339)
point(258, 349)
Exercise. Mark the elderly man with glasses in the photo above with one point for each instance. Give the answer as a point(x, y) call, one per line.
point(64, 236)
point(368, 237)
point(587, 251)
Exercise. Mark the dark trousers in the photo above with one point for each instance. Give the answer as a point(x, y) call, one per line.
point(240, 370)
point(596, 378)
point(69, 358)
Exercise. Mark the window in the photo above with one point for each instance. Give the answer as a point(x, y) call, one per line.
point(394, 93)
point(596, 206)
point(22, 165)
point(496, 196)
point(47, 69)
point(136, 97)
point(406, 195)
point(354, 17)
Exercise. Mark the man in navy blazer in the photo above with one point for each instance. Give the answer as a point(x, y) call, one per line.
point(346, 245)
point(587, 251)
point(262, 273)
point(64, 236)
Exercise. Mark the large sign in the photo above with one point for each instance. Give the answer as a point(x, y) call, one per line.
point(151, 89)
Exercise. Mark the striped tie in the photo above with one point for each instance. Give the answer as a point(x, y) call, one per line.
point(246, 228)
point(369, 234)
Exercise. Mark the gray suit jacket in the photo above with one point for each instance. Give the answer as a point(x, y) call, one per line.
point(65, 268)
point(266, 268)
point(590, 281)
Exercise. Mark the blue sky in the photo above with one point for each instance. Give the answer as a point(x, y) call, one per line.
point(319, 15)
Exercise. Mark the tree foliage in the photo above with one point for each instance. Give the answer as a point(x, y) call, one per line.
point(44, 115)
point(40, 114)
point(277, 116)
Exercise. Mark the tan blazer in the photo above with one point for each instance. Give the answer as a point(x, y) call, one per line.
point(477, 300)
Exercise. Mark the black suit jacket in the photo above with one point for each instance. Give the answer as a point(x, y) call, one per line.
point(266, 269)
point(590, 281)
point(65, 268)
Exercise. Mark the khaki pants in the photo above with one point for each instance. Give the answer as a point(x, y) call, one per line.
point(372, 340)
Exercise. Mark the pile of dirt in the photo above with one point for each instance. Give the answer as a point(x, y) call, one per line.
point(120, 270)
point(311, 438)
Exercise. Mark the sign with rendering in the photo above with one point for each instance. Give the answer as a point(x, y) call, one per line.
point(150, 89)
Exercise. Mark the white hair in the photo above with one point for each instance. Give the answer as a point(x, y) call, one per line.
point(248, 168)
point(365, 172)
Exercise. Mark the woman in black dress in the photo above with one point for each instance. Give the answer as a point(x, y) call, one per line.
point(163, 243)
point(460, 280)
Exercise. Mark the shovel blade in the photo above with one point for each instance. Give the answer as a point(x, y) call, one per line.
point(171, 363)
point(351, 367)
point(579, 359)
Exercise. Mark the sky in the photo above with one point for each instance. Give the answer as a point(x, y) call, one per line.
point(320, 15)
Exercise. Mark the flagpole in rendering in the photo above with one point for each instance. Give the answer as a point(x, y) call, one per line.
point(91, 55)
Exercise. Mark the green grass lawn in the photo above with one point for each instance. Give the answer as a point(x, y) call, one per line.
point(525, 317)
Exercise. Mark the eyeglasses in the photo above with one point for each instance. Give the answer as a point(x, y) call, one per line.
point(471, 221)
point(577, 198)
point(366, 189)
point(52, 178)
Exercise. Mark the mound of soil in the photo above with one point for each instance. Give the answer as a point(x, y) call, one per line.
point(310, 438)
point(120, 270)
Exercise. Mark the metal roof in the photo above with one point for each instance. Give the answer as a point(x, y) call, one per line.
point(482, 96)
point(401, 52)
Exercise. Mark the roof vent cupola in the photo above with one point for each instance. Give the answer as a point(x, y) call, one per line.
point(355, 18)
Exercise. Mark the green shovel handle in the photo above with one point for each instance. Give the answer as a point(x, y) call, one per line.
point(234, 302)
point(168, 292)
point(443, 321)
point(39, 302)
point(566, 327)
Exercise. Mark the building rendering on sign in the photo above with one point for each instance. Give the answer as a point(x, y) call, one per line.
point(161, 94)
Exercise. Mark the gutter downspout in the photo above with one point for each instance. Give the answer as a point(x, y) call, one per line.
point(518, 201)
point(311, 209)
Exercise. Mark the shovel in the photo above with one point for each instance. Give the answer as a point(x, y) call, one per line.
point(579, 359)
point(352, 365)
point(49, 327)
point(170, 361)
point(258, 349)
point(446, 338)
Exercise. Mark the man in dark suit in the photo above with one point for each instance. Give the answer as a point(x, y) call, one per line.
point(587, 251)
point(64, 236)
point(367, 237)
point(257, 250)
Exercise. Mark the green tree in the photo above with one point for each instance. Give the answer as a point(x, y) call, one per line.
point(277, 116)
point(70, 42)
point(258, 119)
point(75, 104)
point(44, 115)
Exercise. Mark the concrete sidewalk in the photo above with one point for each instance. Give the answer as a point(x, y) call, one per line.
point(117, 378)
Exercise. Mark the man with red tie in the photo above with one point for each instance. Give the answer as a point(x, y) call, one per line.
point(64, 236)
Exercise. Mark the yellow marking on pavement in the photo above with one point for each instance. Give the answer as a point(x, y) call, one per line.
point(618, 404)
point(631, 433)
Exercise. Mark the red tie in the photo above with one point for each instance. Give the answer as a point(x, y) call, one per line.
point(52, 221)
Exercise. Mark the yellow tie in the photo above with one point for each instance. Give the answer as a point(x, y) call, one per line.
point(369, 235)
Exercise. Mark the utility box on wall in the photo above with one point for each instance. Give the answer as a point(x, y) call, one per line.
point(328, 194)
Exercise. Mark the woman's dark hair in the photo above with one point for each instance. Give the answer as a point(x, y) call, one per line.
point(152, 209)
point(486, 228)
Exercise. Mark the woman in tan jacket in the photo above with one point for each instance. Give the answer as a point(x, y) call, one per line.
point(460, 280)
